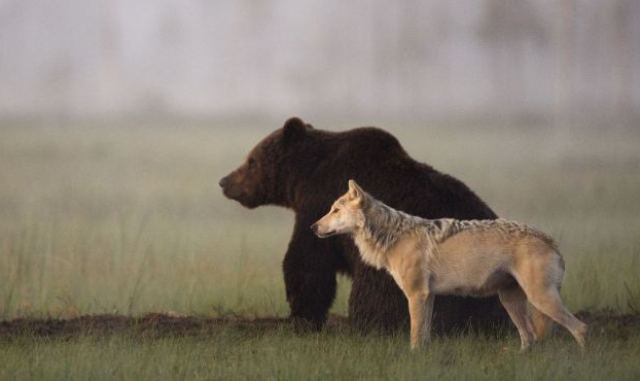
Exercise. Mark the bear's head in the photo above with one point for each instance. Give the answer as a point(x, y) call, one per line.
point(267, 175)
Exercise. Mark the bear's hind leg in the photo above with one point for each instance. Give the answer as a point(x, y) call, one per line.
point(376, 303)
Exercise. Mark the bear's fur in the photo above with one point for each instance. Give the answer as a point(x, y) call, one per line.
point(306, 169)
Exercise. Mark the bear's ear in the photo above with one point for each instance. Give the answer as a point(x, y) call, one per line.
point(294, 129)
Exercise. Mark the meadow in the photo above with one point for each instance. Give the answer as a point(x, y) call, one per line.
point(126, 218)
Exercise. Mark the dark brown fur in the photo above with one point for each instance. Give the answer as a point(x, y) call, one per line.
point(306, 169)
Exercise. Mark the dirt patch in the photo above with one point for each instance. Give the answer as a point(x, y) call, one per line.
point(153, 324)
point(160, 324)
point(607, 322)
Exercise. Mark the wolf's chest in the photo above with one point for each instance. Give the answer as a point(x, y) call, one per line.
point(396, 277)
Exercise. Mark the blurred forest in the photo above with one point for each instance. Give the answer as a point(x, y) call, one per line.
point(573, 60)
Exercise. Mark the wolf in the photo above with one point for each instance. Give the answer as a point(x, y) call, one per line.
point(429, 257)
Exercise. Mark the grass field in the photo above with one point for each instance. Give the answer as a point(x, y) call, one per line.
point(128, 219)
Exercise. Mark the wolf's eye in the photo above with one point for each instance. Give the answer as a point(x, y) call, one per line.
point(335, 210)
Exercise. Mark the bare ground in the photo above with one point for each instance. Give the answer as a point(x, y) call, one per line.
point(167, 324)
point(150, 325)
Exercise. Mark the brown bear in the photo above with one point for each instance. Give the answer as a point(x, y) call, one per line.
point(306, 169)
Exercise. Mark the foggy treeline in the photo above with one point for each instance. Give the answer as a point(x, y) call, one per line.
point(411, 59)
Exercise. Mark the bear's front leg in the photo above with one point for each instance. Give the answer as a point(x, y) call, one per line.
point(310, 277)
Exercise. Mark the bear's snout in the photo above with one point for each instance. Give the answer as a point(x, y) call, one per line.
point(224, 182)
point(229, 188)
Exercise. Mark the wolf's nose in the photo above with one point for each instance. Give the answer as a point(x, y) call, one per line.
point(314, 228)
point(223, 181)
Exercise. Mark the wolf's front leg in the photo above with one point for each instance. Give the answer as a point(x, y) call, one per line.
point(428, 315)
point(420, 311)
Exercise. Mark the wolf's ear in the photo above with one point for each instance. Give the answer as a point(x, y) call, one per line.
point(355, 192)
point(294, 129)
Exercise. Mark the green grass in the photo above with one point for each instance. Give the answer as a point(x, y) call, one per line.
point(282, 355)
point(129, 219)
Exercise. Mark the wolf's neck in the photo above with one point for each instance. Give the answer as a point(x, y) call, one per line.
point(383, 226)
point(371, 254)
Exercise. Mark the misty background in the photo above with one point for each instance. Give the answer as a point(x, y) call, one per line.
point(569, 60)
point(118, 118)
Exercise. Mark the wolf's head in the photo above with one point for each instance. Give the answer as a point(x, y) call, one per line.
point(346, 214)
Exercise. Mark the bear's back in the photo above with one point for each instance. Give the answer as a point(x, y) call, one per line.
point(376, 160)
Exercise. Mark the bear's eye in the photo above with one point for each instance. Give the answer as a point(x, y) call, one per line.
point(335, 210)
point(251, 162)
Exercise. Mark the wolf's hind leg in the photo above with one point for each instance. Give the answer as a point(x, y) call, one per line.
point(514, 301)
point(548, 302)
point(541, 323)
